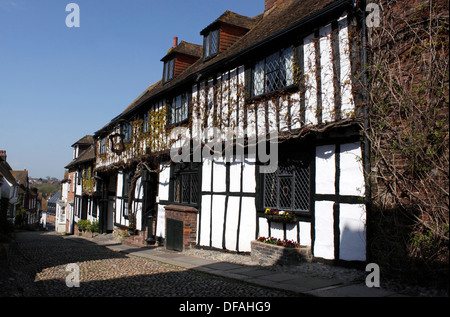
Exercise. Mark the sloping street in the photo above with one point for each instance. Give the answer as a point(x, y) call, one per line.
point(39, 264)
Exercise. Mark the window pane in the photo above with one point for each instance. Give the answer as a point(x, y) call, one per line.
point(177, 190)
point(258, 79)
point(272, 72)
point(285, 192)
point(184, 107)
point(194, 188)
point(185, 188)
point(288, 188)
point(287, 66)
point(214, 42)
point(270, 190)
point(207, 44)
point(171, 68)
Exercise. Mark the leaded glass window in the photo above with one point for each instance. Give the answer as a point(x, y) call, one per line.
point(211, 43)
point(289, 187)
point(168, 70)
point(185, 183)
point(273, 72)
point(179, 108)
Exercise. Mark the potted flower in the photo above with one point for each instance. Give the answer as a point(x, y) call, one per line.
point(277, 215)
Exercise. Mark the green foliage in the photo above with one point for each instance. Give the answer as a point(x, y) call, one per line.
point(86, 225)
point(83, 224)
point(93, 226)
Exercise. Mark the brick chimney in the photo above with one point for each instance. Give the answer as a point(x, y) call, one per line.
point(269, 4)
point(175, 41)
point(3, 155)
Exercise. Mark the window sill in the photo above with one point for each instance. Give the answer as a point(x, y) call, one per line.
point(181, 208)
point(176, 124)
point(278, 93)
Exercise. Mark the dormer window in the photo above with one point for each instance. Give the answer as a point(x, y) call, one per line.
point(211, 44)
point(168, 70)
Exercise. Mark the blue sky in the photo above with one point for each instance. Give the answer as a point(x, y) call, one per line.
point(58, 84)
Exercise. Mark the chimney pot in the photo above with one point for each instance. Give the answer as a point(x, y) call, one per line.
point(175, 41)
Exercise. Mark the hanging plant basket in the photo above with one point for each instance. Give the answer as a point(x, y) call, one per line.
point(275, 215)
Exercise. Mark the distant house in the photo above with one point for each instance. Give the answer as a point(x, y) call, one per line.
point(9, 191)
point(28, 198)
point(78, 188)
point(51, 203)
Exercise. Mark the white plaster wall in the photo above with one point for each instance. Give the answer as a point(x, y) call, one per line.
point(218, 211)
point(119, 193)
point(235, 176)
point(205, 220)
point(263, 227)
point(138, 194)
point(249, 184)
point(232, 222)
point(220, 175)
point(325, 169)
point(276, 230)
point(248, 224)
point(310, 79)
point(291, 231)
point(324, 233)
point(351, 180)
point(161, 222)
point(352, 226)
point(295, 111)
point(347, 102)
point(326, 74)
point(206, 175)
point(241, 102)
point(164, 179)
point(305, 233)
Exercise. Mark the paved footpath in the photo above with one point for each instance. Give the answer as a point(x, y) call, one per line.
point(40, 262)
point(108, 268)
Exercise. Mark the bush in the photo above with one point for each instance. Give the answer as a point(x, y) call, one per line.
point(93, 227)
point(83, 224)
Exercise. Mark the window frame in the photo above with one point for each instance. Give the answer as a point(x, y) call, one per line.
point(179, 114)
point(282, 72)
point(290, 160)
point(126, 183)
point(127, 132)
point(103, 146)
point(208, 41)
point(179, 172)
point(169, 70)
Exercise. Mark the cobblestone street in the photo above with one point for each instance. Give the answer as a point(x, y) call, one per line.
point(39, 261)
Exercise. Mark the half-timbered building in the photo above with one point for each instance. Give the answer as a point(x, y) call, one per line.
point(188, 161)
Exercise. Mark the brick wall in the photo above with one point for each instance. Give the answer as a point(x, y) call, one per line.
point(269, 254)
point(188, 215)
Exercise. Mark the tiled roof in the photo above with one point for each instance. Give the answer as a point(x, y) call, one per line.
point(185, 48)
point(268, 25)
point(85, 156)
point(233, 19)
point(86, 140)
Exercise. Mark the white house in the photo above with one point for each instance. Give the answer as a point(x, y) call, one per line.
point(288, 72)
